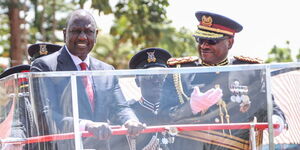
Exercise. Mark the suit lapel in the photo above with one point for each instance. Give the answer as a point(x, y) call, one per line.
point(65, 62)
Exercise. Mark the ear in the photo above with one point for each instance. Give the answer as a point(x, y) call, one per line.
point(230, 42)
point(96, 34)
point(137, 81)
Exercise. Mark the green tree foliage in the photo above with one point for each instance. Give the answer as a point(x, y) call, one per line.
point(111, 51)
point(102, 6)
point(139, 21)
point(280, 54)
point(15, 13)
point(4, 35)
point(298, 56)
point(49, 16)
point(178, 43)
point(138, 24)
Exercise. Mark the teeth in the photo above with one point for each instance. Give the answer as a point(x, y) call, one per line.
point(81, 44)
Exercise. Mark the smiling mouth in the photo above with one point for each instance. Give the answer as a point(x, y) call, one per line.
point(206, 51)
point(82, 45)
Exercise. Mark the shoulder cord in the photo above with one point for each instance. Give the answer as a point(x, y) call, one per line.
point(131, 142)
point(178, 86)
point(153, 143)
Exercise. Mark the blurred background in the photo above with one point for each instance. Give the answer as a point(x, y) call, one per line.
point(271, 28)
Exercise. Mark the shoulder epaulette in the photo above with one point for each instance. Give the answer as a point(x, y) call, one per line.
point(249, 59)
point(182, 60)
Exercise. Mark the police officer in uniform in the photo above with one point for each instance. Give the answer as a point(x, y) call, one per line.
point(27, 127)
point(44, 126)
point(220, 97)
point(146, 108)
point(24, 126)
point(41, 49)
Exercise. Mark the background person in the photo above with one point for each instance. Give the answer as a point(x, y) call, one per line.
point(146, 108)
point(23, 124)
point(42, 49)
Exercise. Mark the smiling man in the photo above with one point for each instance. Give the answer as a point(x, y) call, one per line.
point(211, 97)
point(98, 97)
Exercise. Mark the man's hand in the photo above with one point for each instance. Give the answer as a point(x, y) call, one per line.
point(202, 101)
point(99, 129)
point(134, 127)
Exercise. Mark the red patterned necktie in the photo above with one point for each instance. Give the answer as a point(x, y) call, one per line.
point(88, 85)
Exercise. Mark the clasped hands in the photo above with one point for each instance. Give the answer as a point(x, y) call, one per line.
point(202, 101)
point(103, 131)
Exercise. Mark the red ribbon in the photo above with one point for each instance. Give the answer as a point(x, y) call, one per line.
point(122, 131)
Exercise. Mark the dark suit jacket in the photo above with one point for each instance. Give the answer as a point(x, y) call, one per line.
point(53, 95)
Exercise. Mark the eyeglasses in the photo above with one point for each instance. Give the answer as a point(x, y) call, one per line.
point(209, 42)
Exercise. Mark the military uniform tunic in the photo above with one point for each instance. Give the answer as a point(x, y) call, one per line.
point(176, 109)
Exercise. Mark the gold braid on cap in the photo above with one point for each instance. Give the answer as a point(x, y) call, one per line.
point(178, 86)
point(202, 33)
point(215, 30)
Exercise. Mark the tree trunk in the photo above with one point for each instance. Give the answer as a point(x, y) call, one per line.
point(16, 52)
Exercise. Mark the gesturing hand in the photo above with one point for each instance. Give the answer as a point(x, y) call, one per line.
point(201, 101)
point(134, 127)
point(99, 129)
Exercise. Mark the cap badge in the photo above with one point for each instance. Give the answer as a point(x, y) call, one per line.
point(206, 21)
point(151, 57)
point(43, 49)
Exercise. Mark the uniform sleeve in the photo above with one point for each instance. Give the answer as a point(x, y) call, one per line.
point(171, 110)
point(39, 65)
point(120, 112)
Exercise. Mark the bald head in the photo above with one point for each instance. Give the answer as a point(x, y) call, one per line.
point(80, 33)
point(80, 13)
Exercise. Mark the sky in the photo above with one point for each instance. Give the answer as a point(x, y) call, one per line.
point(266, 22)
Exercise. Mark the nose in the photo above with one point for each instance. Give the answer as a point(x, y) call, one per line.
point(82, 36)
point(204, 44)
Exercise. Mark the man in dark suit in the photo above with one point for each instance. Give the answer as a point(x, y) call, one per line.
point(98, 97)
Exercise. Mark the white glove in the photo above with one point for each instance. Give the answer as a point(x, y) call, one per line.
point(202, 101)
point(278, 120)
point(12, 147)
